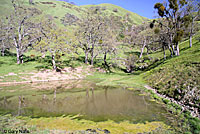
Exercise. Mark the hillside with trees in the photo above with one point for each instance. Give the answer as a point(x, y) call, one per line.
point(48, 40)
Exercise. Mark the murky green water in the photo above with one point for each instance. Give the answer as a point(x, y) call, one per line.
point(97, 103)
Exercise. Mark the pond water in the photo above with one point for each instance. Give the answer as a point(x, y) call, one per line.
point(90, 101)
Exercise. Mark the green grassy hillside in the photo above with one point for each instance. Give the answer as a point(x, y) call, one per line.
point(119, 11)
point(178, 77)
point(58, 9)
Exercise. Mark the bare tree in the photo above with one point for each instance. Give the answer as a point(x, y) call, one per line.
point(4, 41)
point(109, 43)
point(193, 11)
point(53, 40)
point(89, 33)
point(21, 27)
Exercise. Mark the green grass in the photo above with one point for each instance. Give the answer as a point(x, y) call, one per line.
point(59, 8)
point(118, 78)
point(176, 73)
point(11, 71)
point(70, 124)
point(137, 19)
point(176, 76)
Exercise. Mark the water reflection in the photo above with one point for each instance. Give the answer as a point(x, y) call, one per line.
point(21, 105)
point(92, 101)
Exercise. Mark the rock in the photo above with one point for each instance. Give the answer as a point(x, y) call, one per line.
point(11, 74)
point(106, 131)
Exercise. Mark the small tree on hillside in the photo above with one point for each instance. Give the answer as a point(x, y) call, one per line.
point(193, 11)
point(89, 33)
point(109, 43)
point(53, 40)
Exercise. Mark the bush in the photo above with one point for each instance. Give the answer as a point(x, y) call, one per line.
point(115, 10)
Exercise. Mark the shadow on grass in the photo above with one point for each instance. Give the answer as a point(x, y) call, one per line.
point(1, 63)
point(133, 53)
point(184, 49)
point(8, 53)
point(157, 63)
point(43, 67)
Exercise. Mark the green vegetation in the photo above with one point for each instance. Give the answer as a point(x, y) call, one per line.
point(110, 9)
point(110, 46)
point(68, 124)
point(58, 9)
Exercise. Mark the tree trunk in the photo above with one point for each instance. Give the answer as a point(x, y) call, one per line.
point(92, 55)
point(17, 51)
point(177, 50)
point(18, 55)
point(3, 49)
point(142, 49)
point(30, 2)
point(190, 40)
point(170, 49)
point(53, 62)
point(164, 52)
point(21, 58)
point(92, 59)
point(105, 62)
point(147, 47)
point(171, 45)
point(173, 50)
point(104, 59)
point(86, 56)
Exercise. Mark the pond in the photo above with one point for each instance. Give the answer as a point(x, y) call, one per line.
point(80, 97)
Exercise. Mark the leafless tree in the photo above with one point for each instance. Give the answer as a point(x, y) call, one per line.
point(21, 26)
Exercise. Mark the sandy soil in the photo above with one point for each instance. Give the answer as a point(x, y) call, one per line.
point(67, 73)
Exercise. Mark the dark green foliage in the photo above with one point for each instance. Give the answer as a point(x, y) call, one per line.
point(179, 35)
point(130, 63)
point(161, 9)
point(151, 25)
point(182, 2)
point(166, 101)
point(187, 19)
point(173, 4)
point(156, 30)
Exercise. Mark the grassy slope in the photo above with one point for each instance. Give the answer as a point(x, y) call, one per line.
point(59, 8)
point(137, 19)
point(167, 76)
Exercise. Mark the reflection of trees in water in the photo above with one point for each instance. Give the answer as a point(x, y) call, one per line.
point(21, 106)
point(90, 101)
point(5, 102)
point(94, 101)
point(54, 97)
point(106, 93)
point(146, 104)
